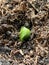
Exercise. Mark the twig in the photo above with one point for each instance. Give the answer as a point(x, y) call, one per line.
point(36, 59)
point(43, 49)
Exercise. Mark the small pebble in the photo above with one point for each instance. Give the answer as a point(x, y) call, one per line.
point(4, 62)
point(27, 24)
point(10, 6)
point(14, 37)
point(0, 63)
point(8, 33)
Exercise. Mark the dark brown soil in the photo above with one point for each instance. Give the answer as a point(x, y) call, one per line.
point(33, 14)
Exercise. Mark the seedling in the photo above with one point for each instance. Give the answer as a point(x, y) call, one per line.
point(24, 33)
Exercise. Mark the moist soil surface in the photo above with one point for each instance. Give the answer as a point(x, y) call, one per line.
point(33, 14)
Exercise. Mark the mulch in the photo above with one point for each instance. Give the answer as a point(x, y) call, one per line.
point(33, 14)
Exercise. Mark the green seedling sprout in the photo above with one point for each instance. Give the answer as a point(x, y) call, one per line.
point(24, 33)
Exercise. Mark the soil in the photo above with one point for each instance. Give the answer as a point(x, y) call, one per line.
point(33, 14)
